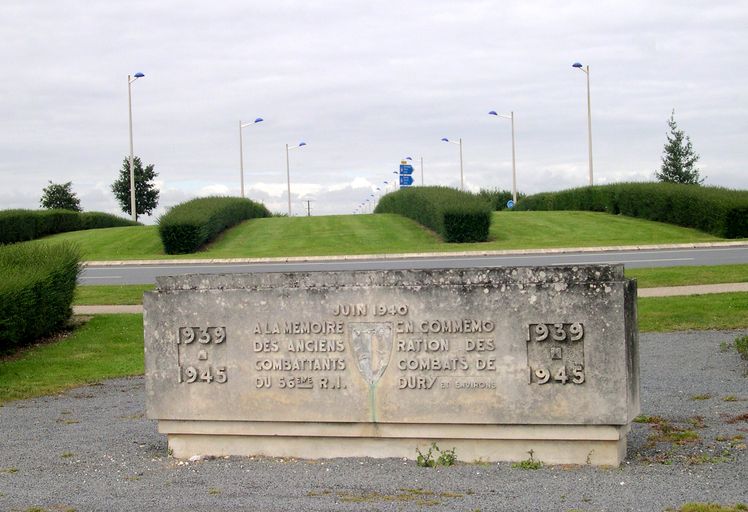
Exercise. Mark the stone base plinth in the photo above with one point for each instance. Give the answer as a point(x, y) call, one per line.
point(551, 444)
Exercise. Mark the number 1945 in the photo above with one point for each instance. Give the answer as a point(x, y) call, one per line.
point(191, 374)
point(559, 375)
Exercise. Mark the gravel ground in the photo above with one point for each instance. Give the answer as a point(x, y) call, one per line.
point(92, 449)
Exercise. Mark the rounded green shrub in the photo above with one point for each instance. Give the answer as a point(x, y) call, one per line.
point(456, 216)
point(36, 291)
point(188, 226)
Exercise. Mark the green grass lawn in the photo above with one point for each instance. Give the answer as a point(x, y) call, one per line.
point(682, 276)
point(385, 234)
point(110, 295)
point(107, 346)
point(694, 312)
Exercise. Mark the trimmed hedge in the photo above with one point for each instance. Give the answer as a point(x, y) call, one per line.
point(36, 291)
point(498, 198)
point(719, 211)
point(457, 216)
point(188, 226)
point(22, 225)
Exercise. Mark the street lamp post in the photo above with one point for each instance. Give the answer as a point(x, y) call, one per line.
point(514, 164)
point(462, 182)
point(288, 172)
point(133, 210)
point(586, 70)
point(241, 150)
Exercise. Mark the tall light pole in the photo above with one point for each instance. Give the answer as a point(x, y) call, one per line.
point(462, 182)
point(241, 149)
point(288, 172)
point(514, 163)
point(586, 70)
point(133, 210)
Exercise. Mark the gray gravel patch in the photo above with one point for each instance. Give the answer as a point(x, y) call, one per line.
point(92, 449)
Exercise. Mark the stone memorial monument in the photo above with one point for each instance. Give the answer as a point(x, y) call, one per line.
point(494, 362)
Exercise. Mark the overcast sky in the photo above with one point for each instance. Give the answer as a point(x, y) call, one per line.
point(364, 84)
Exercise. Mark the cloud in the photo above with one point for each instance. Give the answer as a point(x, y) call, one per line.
point(364, 84)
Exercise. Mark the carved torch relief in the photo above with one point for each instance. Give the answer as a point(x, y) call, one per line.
point(371, 343)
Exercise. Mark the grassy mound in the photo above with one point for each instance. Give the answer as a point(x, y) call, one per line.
point(457, 216)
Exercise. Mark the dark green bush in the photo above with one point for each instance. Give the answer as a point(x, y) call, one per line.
point(719, 211)
point(188, 226)
point(17, 226)
point(21, 225)
point(36, 291)
point(97, 220)
point(456, 216)
point(498, 198)
point(49, 222)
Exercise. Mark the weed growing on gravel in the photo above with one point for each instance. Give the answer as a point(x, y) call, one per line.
point(708, 507)
point(445, 458)
point(214, 491)
point(530, 463)
point(730, 398)
point(67, 421)
point(725, 346)
point(67, 455)
point(738, 418)
point(314, 494)
point(741, 344)
point(665, 432)
point(697, 422)
point(649, 419)
point(703, 396)
point(420, 497)
point(9, 471)
point(665, 458)
point(706, 458)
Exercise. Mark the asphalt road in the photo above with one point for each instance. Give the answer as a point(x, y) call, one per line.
point(146, 274)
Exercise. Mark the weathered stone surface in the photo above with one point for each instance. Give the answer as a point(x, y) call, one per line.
point(501, 346)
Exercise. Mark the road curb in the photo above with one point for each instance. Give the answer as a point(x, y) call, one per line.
point(423, 255)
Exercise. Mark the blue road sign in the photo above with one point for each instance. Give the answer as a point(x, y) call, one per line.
point(406, 170)
point(406, 181)
point(510, 204)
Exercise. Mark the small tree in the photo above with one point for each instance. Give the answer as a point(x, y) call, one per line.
point(60, 195)
point(678, 159)
point(146, 193)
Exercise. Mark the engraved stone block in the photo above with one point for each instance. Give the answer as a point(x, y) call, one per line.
point(449, 353)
